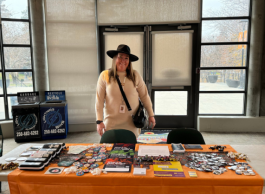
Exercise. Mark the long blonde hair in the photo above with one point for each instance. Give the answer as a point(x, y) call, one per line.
point(113, 71)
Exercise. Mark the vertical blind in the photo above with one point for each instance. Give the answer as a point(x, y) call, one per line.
point(72, 55)
point(126, 12)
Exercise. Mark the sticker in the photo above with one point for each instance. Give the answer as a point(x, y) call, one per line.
point(65, 163)
point(94, 165)
point(54, 170)
point(80, 173)
point(91, 161)
point(86, 170)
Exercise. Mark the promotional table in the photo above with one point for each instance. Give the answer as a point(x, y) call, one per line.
point(36, 182)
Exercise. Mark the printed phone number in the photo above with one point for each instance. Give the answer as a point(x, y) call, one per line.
point(27, 133)
point(54, 131)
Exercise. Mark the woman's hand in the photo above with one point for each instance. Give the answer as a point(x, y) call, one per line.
point(100, 128)
point(152, 122)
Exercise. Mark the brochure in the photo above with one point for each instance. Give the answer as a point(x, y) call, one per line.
point(168, 169)
point(122, 150)
point(118, 165)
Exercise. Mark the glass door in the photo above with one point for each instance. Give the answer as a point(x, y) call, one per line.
point(166, 62)
point(171, 80)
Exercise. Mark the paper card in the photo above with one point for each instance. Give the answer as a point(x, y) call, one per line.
point(192, 174)
point(153, 150)
point(139, 171)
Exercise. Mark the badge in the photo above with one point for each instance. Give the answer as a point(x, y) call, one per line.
point(122, 108)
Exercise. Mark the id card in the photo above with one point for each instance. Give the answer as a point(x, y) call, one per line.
point(122, 108)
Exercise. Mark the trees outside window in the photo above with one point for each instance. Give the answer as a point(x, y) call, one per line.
point(224, 57)
point(16, 73)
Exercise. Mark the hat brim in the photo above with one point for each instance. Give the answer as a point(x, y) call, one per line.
point(113, 53)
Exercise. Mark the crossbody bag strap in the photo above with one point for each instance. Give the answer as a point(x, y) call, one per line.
point(123, 94)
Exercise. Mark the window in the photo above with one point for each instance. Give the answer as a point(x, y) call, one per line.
point(16, 70)
point(224, 57)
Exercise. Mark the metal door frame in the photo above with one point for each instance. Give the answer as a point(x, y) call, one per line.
point(163, 121)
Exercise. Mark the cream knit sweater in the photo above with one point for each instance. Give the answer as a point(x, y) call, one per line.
point(109, 93)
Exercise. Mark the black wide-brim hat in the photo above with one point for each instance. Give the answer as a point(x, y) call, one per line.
point(122, 48)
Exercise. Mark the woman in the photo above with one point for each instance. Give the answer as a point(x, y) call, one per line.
point(116, 113)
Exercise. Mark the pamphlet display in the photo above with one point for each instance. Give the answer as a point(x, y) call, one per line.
point(168, 169)
point(26, 117)
point(118, 165)
point(121, 158)
point(54, 115)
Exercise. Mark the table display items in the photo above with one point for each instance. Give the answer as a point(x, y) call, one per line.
point(97, 171)
point(122, 150)
point(26, 117)
point(177, 148)
point(85, 161)
point(168, 169)
point(139, 171)
point(193, 146)
point(192, 174)
point(218, 147)
point(238, 156)
point(153, 150)
point(54, 115)
point(120, 158)
point(118, 164)
point(54, 170)
point(210, 163)
point(242, 168)
point(9, 166)
point(42, 157)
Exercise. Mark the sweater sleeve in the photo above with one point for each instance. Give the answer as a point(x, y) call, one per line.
point(100, 95)
point(143, 94)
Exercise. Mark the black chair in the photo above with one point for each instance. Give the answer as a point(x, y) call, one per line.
point(1, 151)
point(118, 136)
point(185, 136)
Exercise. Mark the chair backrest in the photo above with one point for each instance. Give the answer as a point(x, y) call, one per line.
point(185, 136)
point(118, 136)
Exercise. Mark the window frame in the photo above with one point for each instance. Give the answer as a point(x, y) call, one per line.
point(3, 70)
point(246, 67)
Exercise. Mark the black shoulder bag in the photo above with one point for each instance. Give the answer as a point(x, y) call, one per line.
point(139, 119)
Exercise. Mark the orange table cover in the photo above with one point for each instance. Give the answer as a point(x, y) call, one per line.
point(30, 182)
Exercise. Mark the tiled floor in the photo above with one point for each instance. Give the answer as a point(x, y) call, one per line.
point(93, 137)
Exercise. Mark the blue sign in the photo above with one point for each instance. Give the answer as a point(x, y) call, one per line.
point(53, 121)
point(55, 96)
